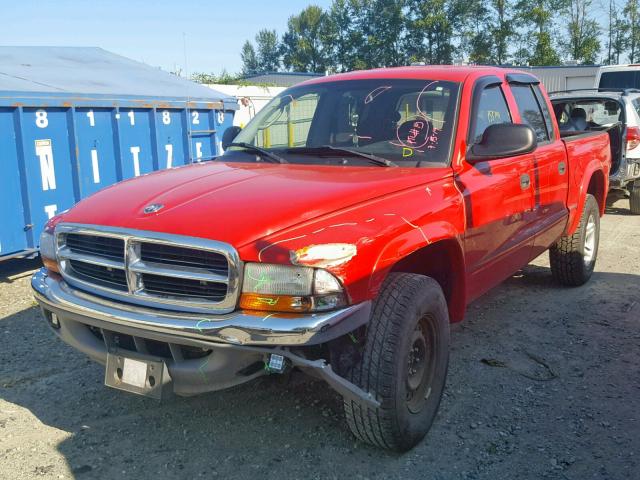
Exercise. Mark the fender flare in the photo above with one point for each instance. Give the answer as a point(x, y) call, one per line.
point(412, 242)
point(575, 208)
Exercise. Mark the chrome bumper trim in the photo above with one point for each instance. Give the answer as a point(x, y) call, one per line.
point(237, 328)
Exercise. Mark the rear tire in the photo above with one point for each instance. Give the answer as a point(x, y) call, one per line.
point(403, 363)
point(634, 198)
point(573, 258)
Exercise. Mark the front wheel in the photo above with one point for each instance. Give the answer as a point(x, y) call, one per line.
point(403, 363)
point(573, 258)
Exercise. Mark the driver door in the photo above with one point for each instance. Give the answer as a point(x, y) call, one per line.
point(498, 197)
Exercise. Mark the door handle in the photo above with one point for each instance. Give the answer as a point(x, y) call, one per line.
point(525, 181)
point(562, 168)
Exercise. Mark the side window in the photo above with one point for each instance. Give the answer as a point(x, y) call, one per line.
point(545, 109)
point(636, 104)
point(530, 110)
point(492, 108)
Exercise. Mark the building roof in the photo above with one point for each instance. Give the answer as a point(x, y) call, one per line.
point(280, 79)
point(93, 71)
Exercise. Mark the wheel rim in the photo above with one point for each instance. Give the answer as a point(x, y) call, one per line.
point(420, 365)
point(590, 240)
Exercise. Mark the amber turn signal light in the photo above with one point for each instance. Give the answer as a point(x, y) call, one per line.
point(275, 303)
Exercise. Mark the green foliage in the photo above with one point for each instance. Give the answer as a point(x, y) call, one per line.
point(502, 30)
point(268, 50)
point(430, 26)
point(224, 78)
point(360, 34)
point(303, 47)
point(632, 14)
point(582, 43)
point(249, 58)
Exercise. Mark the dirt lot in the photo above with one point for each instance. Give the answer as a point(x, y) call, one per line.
point(544, 383)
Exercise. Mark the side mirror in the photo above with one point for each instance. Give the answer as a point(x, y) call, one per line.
point(228, 136)
point(503, 140)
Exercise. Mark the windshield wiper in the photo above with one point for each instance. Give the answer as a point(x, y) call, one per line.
point(273, 157)
point(383, 162)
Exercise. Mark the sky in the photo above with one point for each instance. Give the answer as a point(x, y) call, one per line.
point(153, 31)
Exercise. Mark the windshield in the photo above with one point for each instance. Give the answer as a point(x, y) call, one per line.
point(409, 122)
point(620, 79)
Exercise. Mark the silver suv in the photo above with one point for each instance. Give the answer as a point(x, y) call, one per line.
point(600, 109)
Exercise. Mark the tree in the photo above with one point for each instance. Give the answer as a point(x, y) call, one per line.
point(386, 22)
point(249, 59)
point(632, 14)
point(501, 30)
point(476, 40)
point(538, 18)
point(583, 43)
point(268, 52)
point(302, 46)
point(430, 26)
point(618, 42)
point(341, 39)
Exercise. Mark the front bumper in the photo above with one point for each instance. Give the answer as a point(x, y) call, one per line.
point(231, 344)
point(237, 328)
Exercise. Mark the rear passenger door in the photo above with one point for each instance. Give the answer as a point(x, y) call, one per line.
point(550, 170)
point(498, 197)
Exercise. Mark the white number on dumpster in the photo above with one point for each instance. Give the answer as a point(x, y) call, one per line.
point(196, 118)
point(41, 119)
point(166, 117)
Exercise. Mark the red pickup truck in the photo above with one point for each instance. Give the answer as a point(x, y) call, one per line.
point(341, 232)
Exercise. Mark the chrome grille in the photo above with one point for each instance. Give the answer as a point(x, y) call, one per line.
point(183, 287)
point(103, 276)
point(150, 268)
point(184, 257)
point(90, 244)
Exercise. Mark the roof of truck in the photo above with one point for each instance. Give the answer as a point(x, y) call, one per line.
point(453, 73)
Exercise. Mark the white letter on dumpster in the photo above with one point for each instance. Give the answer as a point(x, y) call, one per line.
point(50, 210)
point(47, 171)
point(94, 165)
point(198, 151)
point(169, 148)
point(136, 161)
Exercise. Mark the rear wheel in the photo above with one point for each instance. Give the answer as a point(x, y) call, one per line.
point(403, 363)
point(573, 258)
point(634, 198)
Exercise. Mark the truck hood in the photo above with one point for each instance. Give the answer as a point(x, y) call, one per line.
point(239, 203)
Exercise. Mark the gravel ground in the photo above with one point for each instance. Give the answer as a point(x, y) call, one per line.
point(544, 382)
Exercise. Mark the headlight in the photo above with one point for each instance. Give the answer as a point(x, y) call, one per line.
point(48, 248)
point(284, 288)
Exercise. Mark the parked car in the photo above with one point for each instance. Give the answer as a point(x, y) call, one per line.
point(341, 232)
point(579, 111)
point(618, 76)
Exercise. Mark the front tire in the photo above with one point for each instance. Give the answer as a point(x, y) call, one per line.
point(573, 258)
point(634, 198)
point(403, 364)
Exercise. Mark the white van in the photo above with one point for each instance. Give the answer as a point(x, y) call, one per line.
point(618, 76)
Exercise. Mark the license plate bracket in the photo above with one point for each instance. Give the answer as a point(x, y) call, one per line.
point(142, 376)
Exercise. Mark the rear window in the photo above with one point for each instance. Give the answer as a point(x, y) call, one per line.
point(530, 110)
point(621, 79)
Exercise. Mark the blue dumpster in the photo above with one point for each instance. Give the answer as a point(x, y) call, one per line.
point(69, 126)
